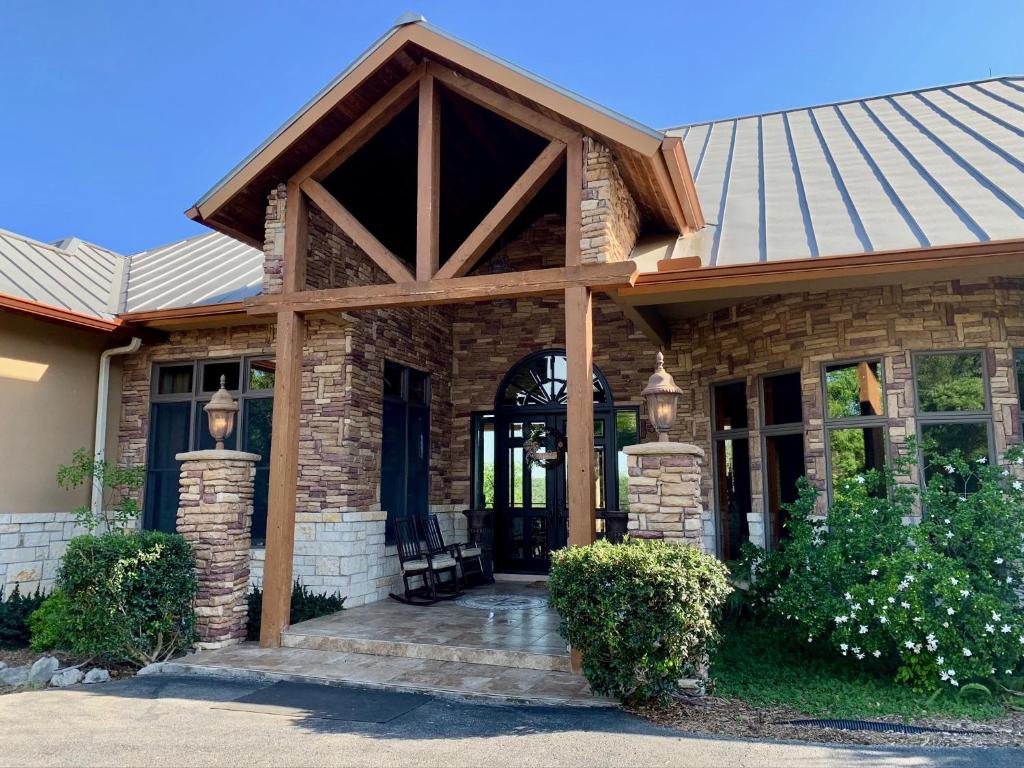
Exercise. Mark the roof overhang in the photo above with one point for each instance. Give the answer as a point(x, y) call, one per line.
point(58, 315)
point(654, 165)
point(691, 289)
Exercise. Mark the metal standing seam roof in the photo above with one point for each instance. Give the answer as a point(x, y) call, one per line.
point(93, 281)
point(940, 166)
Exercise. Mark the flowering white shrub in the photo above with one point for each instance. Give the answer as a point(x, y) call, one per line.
point(936, 604)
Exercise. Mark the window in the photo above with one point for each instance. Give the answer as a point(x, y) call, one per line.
point(731, 444)
point(854, 419)
point(405, 446)
point(783, 430)
point(177, 423)
point(953, 409)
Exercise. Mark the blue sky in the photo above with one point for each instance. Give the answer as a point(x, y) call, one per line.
point(117, 116)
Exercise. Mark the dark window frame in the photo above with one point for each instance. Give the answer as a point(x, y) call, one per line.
point(197, 397)
point(408, 404)
point(924, 418)
point(776, 430)
point(723, 435)
point(829, 424)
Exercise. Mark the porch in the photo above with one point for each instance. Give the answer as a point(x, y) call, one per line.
point(497, 641)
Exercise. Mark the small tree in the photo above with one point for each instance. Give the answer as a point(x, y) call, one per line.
point(119, 485)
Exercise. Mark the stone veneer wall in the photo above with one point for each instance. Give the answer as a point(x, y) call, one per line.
point(665, 495)
point(31, 545)
point(805, 331)
point(610, 218)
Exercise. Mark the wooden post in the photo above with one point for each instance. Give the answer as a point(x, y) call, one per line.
point(428, 181)
point(284, 451)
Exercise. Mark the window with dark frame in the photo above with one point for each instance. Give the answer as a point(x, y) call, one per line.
point(953, 408)
point(854, 419)
point(782, 431)
point(405, 445)
point(730, 436)
point(178, 423)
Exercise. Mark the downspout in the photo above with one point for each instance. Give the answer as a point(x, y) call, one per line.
point(102, 394)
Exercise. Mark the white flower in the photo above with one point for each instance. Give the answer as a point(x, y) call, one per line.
point(1020, 459)
point(848, 597)
point(876, 653)
point(940, 661)
point(999, 561)
point(943, 676)
point(949, 534)
point(954, 683)
point(965, 593)
point(950, 611)
point(810, 639)
point(1017, 485)
point(843, 646)
point(863, 629)
point(856, 607)
point(990, 629)
point(917, 619)
point(1008, 672)
point(840, 619)
point(891, 599)
point(953, 581)
point(871, 601)
point(860, 656)
point(861, 480)
point(983, 460)
point(950, 469)
point(908, 644)
point(905, 605)
point(951, 672)
point(883, 619)
point(946, 521)
point(1005, 629)
point(1009, 579)
point(1006, 473)
point(911, 577)
point(967, 652)
point(874, 571)
point(996, 616)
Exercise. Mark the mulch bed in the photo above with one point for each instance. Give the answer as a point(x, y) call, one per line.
point(718, 716)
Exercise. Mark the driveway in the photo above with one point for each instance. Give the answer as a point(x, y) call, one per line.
point(182, 721)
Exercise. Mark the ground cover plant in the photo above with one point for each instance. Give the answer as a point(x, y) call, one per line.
point(15, 610)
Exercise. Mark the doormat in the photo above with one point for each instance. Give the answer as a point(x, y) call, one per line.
point(502, 602)
point(327, 702)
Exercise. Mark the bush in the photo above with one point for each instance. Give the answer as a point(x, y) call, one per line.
point(122, 597)
point(642, 613)
point(305, 605)
point(120, 485)
point(14, 613)
point(934, 605)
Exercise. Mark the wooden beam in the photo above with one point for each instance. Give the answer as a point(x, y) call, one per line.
point(682, 181)
point(284, 468)
point(648, 321)
point(284, 451)
point(504, 212)
point(573, 200)
point(459, 290)
point(580, 415)
point(668, 193)
point(517, 113)
point(361, 130)
point(428, 180)
point(360, 235)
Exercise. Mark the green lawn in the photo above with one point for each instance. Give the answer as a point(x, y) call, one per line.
point(762, 668)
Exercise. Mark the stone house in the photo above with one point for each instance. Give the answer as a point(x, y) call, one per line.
point(455, 256)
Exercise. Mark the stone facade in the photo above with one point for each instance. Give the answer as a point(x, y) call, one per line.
point(31, 545)
point(215, 516)
point(665, 493)
point(611, 220)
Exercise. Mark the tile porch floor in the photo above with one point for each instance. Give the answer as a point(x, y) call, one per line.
point(445, 648)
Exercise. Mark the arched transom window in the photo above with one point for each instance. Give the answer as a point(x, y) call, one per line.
point(540, 381)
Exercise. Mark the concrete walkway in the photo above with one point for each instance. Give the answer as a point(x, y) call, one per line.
point(177, 721)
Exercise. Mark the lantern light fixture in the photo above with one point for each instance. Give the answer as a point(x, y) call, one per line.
point(220, 413)
point(662, 397)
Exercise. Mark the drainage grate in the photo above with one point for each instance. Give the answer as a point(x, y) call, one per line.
point(868, 725)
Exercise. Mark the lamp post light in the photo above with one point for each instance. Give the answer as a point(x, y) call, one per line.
point(220, 412)
point(662, 397)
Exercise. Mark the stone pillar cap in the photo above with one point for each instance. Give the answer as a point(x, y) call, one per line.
point(663, 449)
point(215, 455)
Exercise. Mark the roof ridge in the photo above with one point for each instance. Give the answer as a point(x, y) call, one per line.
point(805, 108)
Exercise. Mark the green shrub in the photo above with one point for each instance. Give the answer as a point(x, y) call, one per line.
point(642, 613)
point(123, 597)
point(14, 613)
point(305, 605)
point(934, 605)
point(120, 487)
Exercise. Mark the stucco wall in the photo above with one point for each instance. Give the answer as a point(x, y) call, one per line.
point(48, 378)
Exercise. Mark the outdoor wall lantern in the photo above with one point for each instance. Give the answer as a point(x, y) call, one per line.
point(662, 397)
point(220, 412)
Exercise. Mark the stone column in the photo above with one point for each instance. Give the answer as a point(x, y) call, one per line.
point(664, 492)
point(215, 515)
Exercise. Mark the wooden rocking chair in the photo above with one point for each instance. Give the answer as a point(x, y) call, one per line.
point(469, 558)
point(414, 562)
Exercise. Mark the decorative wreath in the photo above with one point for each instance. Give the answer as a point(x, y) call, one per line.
point(545, 447)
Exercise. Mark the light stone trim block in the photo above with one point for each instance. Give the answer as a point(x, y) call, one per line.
point(664, 492)
point(215, 516)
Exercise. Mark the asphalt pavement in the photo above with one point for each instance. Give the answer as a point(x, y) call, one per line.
point(163, 720)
